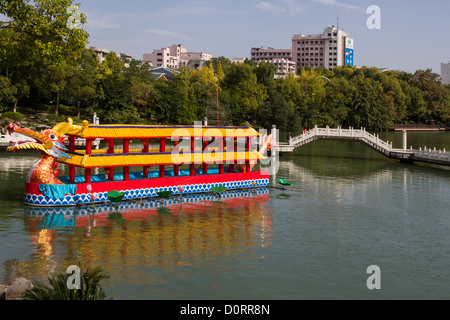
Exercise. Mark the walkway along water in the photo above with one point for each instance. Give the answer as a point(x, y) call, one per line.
point(427, 155)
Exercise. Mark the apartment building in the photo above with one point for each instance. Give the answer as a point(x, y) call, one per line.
point(102, 53)
point(330, 49)
point(175, 56)
point(445, 73)
point(281, 58)
point(237, 60)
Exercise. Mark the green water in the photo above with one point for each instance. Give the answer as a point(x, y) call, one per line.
point(349, 208)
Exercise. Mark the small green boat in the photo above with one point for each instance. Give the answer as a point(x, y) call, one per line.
point(284, 182)
point(164, 194)
point(115, 196)
point(218, 189)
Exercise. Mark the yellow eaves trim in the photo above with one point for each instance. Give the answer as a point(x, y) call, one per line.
point(143, 159)
point(143, 131)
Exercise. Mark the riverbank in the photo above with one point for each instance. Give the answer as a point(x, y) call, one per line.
point(16, 290)
point(39, 120)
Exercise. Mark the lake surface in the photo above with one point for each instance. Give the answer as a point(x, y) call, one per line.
point(349, 208)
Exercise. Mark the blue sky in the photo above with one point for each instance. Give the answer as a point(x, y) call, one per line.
point(414, 34)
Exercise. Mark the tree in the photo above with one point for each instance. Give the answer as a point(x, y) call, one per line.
point(143, 96)
point(138, 69)
point(242, 83)
point(175, 103)
point(434, 93)
point(46, 26)
point(218, 63)
point(7, 92)
point(370, 108)
point(83, 85)
point(56, 79)
point(312, 98)
point(265, 74)
point(38, 36)
point(116, 104)
point(14, 63)
point(338, 100)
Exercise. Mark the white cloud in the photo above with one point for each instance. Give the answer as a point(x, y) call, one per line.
point(267, 6)
point(189, 9)
point(282, 6)
point(342, 5)
point(295, 7)
point(101, 21)
point(167, 33)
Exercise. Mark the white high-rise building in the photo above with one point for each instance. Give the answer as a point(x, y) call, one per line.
point(330, 49)
point(445, 73)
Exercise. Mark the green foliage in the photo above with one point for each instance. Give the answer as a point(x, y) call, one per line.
point(44, 63)
point(44, 26)
point(15, 116)
point(90, 288)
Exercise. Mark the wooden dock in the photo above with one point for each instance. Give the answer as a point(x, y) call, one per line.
point(418, 127)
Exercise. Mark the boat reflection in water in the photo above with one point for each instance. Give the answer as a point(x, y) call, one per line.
point(162, 233)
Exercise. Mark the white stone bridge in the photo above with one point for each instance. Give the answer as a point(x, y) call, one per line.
point(434, 156)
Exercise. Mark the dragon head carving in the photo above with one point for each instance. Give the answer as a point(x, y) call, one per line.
point(49, 141)
point(51, 144)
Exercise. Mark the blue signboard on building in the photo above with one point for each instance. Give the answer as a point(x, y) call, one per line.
point(348, 57)
point(349, 46)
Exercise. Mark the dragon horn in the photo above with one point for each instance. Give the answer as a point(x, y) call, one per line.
point(66, 127)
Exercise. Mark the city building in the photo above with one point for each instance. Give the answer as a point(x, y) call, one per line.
point(445, 73)
point(237, 60)
point(102, 53)
point(329, 50)
point(281, 58)
point(176, 56)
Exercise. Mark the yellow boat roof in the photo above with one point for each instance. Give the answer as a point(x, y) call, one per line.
point(125, 131)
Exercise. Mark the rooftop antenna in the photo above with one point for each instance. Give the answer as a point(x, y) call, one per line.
point(337, 26)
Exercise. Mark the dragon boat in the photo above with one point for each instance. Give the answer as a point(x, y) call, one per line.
point(197, 159)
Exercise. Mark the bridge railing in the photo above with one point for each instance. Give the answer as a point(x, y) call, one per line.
point(432, 154)
point(426, 155)
point(351, 133)
point(375, 140)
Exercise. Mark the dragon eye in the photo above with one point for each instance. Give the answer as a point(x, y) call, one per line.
point(52, 136)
